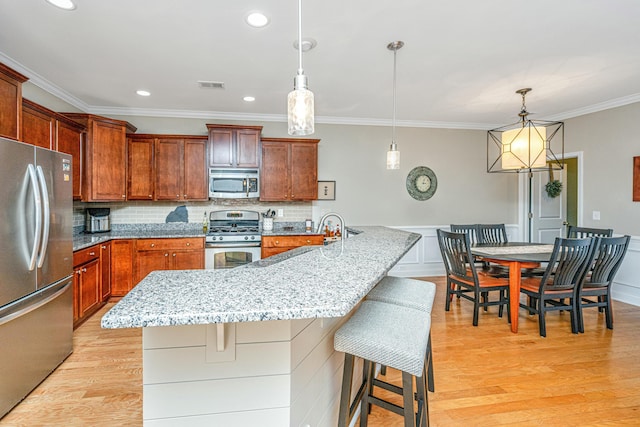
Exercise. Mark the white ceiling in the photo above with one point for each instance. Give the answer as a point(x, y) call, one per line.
point(461, 64)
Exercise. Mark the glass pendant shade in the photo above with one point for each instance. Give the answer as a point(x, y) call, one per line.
point(393, 157)
point(300, 112)
point(524, 148)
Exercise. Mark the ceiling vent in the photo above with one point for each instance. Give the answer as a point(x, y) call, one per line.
point(210, 85)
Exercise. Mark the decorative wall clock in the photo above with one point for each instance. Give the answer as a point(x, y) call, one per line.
point(421, 183)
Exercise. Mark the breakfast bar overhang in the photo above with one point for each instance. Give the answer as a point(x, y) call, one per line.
point(254, 345)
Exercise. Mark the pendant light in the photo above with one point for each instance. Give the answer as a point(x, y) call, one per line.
point(393, 155)
point(300, 99)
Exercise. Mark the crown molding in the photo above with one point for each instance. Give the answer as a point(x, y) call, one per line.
point(601, 106)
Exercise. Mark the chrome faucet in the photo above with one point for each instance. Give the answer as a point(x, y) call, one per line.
point(330, 214)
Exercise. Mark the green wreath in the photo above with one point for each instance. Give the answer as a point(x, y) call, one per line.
point(553, 188)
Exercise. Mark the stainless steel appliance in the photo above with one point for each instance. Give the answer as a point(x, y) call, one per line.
point(97, 220)
point(233, 239)
point(234, 183)
point(36, 262)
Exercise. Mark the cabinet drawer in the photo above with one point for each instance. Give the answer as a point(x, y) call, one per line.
point(170, 243)
point(85, 255)
point(292, 241)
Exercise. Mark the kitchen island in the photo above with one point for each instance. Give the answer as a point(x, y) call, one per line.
point(253, 345)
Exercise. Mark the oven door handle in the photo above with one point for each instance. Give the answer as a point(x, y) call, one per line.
point(232, 245)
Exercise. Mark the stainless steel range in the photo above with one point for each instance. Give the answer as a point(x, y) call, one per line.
point(233, 239)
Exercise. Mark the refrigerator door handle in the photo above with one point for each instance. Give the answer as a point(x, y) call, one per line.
point(45, 216)
point(38, 205)
point(8, 318)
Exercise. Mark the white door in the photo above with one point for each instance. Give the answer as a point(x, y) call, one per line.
point(549, 214)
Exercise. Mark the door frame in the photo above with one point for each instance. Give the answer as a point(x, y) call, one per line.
point(523, 196)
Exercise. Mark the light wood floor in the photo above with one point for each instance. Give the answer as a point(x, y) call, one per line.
point(485, 375)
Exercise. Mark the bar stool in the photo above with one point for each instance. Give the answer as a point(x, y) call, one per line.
point(411, 293)
point(391, 335)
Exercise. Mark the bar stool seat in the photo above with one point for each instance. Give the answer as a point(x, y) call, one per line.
point(392, 335)
point(417, 294)
point(406, 292)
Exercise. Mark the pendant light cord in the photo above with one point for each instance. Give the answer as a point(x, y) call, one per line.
point(300, 70)
point(393, 123)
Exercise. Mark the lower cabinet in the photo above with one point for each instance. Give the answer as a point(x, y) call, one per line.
point(86, 283)
point(168, 254)
point(272, 245)
point(122, 252)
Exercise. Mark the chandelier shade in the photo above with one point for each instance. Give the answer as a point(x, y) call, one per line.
point(527, 145)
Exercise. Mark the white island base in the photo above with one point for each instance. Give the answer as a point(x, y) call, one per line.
point(272, 373)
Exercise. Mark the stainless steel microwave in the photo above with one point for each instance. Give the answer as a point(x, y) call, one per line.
point(234, 183)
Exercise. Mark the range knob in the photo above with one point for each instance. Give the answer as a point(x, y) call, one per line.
point(246, 237)
point(220, 238)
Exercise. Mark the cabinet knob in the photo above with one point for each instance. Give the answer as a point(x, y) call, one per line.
point(277, 242)
point(150, 196)
point(185, 196)
point(153, 245)
point(188, 244)
point(174, 254)
point(103, 247)
point(78, 271)
point(177, 196)
point(166, 254)
point(124, 196)
point(84, 270)
point(92, 253)
point(308, 241)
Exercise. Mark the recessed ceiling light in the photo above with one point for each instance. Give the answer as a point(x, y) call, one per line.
point(249, 98)
point(257, 19)
point(62, 4)
point(143, 93)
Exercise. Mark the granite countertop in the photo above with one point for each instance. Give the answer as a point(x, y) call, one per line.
point(320, 281)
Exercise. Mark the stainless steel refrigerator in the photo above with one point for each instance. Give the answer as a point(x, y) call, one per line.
point(36, 263)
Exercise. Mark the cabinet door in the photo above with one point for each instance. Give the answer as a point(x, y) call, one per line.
point(221, 148)
point(69, 140)
point(140, 172)
point(247, 148)
point(188, 260)
point(105, 271)
point(304, 171)
point(148, 261)
point(169, 169)
point(89, 292)
point(274, 175)
point(121, 267)
point(108, 162)
point(38, 127)
point(196, 177)
point(10, 102)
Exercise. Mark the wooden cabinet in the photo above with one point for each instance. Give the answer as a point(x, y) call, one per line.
point(168, 254)
point(234, 146)
point(140, 168)
point(105, 270)
point(47, 129)
point(272, 245)
point(167, 167)
point(86, 283)
point(289, 169)
point(122, 252)
point(104, 175)
point(38, 125)
point(11, 102)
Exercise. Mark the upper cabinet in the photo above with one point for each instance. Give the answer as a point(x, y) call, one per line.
point(289, 169)
point(167, 167)
point(47, 129)
point(11, 102)
point(232, 146)
point(105, 177)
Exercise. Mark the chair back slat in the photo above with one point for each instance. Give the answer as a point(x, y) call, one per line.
point(469, 229)
point(607, 259)
point(456, 253)
point(568, 263)
point(492, 233)
point(574, 232)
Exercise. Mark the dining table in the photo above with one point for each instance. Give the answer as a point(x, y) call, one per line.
point(516, 256)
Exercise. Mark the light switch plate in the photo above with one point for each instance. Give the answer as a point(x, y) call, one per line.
point(596, 215)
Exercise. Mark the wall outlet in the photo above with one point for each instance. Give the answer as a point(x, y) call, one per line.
point(596, 215)
point(280, 213)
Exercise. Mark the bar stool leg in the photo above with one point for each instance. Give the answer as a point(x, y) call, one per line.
point(407, 399)
point(345, 394)
point(430, 380)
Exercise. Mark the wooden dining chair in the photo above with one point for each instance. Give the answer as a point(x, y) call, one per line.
point(557, 289)
point(463, 279)
point(595, 290)
point(574, 232)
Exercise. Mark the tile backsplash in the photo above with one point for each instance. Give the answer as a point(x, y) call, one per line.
point(156, 212)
